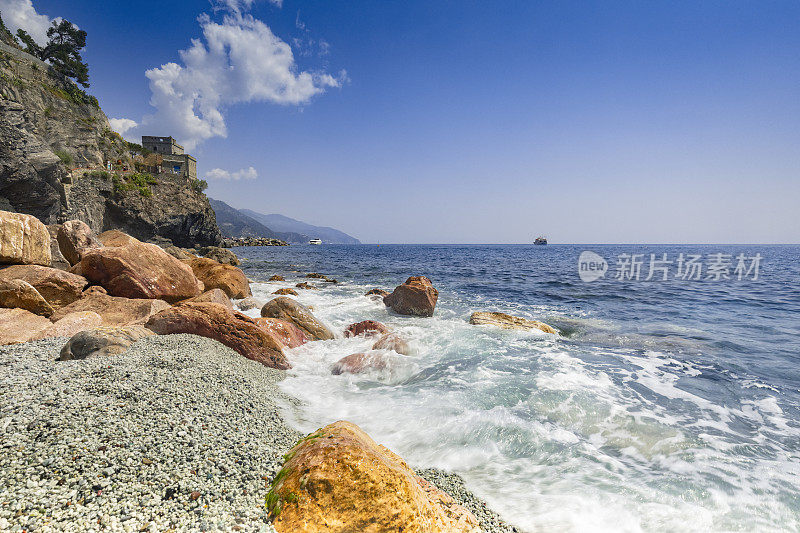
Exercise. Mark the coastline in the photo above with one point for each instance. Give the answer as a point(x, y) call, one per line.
point(179, 432)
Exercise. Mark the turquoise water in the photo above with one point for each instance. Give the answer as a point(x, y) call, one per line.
point(665, 406)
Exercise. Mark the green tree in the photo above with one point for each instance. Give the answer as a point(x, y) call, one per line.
point(64, 51)
point(30, 45)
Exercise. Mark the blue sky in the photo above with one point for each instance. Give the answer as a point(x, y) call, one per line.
point(477, 122)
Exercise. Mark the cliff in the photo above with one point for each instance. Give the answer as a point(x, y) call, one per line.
point(48, 128)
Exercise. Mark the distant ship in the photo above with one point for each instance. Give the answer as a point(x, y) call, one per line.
point(315, 241)
point(540, 240)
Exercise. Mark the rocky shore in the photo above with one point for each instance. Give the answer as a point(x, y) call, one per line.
point(134, 396)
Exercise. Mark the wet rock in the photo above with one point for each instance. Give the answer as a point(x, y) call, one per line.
point(505, 321)
point(116, 311)
point(393, 341)
point(316, 275)
point(289, 335)
point(305, 285)
point(360, 362)
point(277, 278)
point(74, 238)
point(233, 329)
point(365, 327)
point(19, 293)
point(377, 292)
point(102, 341)
point(339, 480)
point(416, 296)
point(133, 269)
point(286, 292)
point(249, 303)
point(24, 240)
point(18, 325)
point(288, 309)
point(58, 287)
point(215, 275)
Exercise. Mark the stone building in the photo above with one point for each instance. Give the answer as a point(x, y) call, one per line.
point(175, 160)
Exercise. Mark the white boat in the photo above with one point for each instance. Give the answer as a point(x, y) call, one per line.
point(315, 241)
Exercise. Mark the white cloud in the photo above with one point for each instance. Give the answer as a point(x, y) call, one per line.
point(21, 14)
point(243, 174)
point(238, 60)
point(121, 125)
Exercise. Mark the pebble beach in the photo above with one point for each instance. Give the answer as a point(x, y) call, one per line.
point(179, 433)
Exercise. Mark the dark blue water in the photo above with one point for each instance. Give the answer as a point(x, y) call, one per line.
point(664, 405)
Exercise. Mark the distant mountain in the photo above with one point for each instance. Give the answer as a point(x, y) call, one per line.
point(280, 223)
point(232, 223)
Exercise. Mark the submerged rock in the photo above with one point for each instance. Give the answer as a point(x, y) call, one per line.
point(24, 240)
point(360, 362)
point(377, 292)
point(288, 309)
point(305, 285)
point(277, 278)
point(339, 480)
point(505, 321)
point(393, 341)
point(233, 329)
point(365, 327)
point(416, 296)
point(286, 291)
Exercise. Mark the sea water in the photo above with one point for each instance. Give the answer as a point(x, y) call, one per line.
point(664, 406)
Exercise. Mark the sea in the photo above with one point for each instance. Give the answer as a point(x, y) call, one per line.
point(664, 405)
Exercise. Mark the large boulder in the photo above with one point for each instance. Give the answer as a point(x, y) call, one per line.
point(393, 341)
point(102, 341)
point(115, 311)
point(24, 240)
point(233, 329)
point(220, 255)
point(365, 327)
point(339, 480)
point(115, 237)
point(133, 269)
point(505, 321)
point(215, 275)
point(18, 293)
point(249, 303)
point(18, 325)
point(216, 296)
point(286, 332)
point(57, 259)
point(360, 362)
point(414, 297)
point(74, 238)
point(71, 324)
point(288, 309)
point(58, 287)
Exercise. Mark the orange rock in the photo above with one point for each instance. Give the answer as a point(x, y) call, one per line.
point(365, 327)
point(416, 296)
point(233, 329)
point(19, 293)
point(277, 278)
point(74, 238)
point(505, 321)
point(216, 296)
point(289, 309)
point(58, 287)
point(339, 480)
point(218, 276)
point(360, 362)
point(133, 269)
point(71, 324)
point(24, 240)
point(286, 291)
point(287, 333)
point(18, 325)
point(115, 311)
point(392, 341)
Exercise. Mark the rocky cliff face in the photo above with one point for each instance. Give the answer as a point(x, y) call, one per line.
point(47, 130)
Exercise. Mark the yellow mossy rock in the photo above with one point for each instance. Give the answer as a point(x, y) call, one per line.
point(24, 240)
point(503, 320)
point(339, 480)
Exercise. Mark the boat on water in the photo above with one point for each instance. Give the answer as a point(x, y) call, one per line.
point(315, 241)
point(540, 240)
